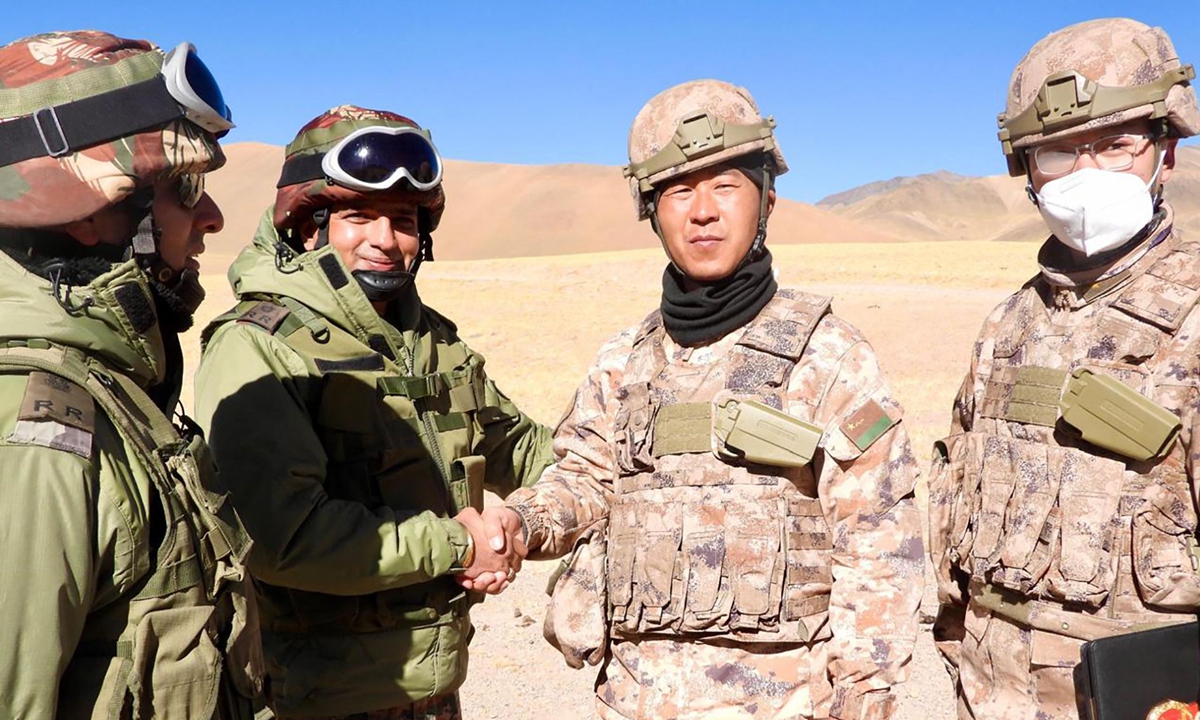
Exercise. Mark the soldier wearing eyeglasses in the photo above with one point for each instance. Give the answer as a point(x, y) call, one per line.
point(358, 432)
point(1062, 504)
point(122, 582)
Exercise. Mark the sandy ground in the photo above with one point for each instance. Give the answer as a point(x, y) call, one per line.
point(539, 322)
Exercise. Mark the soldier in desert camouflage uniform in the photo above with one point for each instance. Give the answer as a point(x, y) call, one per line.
point(763, 551)
point(123, 592)
point(1063, 501)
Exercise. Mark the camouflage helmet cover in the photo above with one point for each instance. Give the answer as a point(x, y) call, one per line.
point(1109, 54)
point(295, 203)
point(61, 67)
point(661, 125)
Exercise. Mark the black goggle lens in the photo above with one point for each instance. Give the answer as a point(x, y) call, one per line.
point(205, 85)
point(374, 157)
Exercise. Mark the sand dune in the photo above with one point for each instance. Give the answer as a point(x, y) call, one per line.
point(496, 210)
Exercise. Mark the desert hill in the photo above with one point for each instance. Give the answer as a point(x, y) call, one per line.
point(944, 206)
point(498, 210)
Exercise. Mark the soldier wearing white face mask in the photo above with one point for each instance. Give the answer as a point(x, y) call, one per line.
point(1062, 504)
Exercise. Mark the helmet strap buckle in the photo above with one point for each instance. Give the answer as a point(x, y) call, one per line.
point(63, 147)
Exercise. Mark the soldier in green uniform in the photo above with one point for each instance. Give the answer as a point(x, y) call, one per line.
point(123, 590)
point(357, 431)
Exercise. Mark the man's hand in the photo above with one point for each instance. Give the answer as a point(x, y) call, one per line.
point(499, 549)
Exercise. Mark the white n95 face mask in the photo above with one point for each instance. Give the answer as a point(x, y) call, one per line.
point(1093, 210)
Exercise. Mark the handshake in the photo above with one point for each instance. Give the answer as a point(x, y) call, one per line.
point(499, 541)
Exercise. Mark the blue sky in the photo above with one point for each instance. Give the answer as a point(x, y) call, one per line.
point(862, 91)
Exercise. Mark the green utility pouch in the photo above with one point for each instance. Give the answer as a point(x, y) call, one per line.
point(1111, 415)
point(753, 432)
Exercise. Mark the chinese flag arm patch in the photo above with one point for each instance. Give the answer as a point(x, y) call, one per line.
point(866, 425)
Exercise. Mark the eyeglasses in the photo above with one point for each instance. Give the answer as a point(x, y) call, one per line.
point(190, 187)
point(1114, 153)
point(193, 86)
point(376, 158)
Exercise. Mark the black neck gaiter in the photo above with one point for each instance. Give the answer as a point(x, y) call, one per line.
point(707, 312)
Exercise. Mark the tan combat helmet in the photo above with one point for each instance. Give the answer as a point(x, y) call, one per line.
point(691, 126)
point(1092, 75)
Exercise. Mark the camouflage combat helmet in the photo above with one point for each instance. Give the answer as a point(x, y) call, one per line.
point(691, 126)
point(1093, 75)
point(70, 88)
point(299, 193)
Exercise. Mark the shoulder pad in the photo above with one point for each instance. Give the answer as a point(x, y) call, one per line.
point(652, 323)
point(248, 312)
point(266, 315)
point(787, 322)
point(1167, 292)
point(56, 413)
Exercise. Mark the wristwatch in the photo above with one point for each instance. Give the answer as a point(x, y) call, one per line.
point(469, 555)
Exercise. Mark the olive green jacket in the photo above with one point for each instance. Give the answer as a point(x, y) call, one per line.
point(327, 449)
point(92, 626)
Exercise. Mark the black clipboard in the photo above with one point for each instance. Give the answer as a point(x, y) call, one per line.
point(1124, 676)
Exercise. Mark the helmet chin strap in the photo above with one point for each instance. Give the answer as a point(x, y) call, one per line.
point(384, 285)
point(179, 291)
point(757, 247)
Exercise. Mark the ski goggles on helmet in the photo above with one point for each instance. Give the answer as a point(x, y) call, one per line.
point(183, 88)
point(192, 85)
point(378, 157)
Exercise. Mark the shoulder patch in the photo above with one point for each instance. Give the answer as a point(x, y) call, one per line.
point(56, 413)
point(866, 425)
point(266, 315)
point(51, 397)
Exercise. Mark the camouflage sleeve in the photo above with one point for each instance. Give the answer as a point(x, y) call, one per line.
point(866, 482)
point(251, 392)
point(573, 494)
point(517, 449)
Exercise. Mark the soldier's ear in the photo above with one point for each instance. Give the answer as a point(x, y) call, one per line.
point(770, 201)
point(86, 232)
point(1168, 163)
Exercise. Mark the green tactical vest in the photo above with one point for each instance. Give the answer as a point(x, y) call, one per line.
point(391, 438)
point(185, 644)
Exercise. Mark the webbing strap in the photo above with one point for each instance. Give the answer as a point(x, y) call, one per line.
point(683, 428)
point(1052, 617)
point(311, 320)
point(173, 578)
point(413, 388)
point(805, 607)
point(459, 384)
point(1028, 395)
point(59, 130)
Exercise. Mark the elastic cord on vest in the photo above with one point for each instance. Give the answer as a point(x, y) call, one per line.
point(708, 312)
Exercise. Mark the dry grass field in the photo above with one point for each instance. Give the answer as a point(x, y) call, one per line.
point(539, 322)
